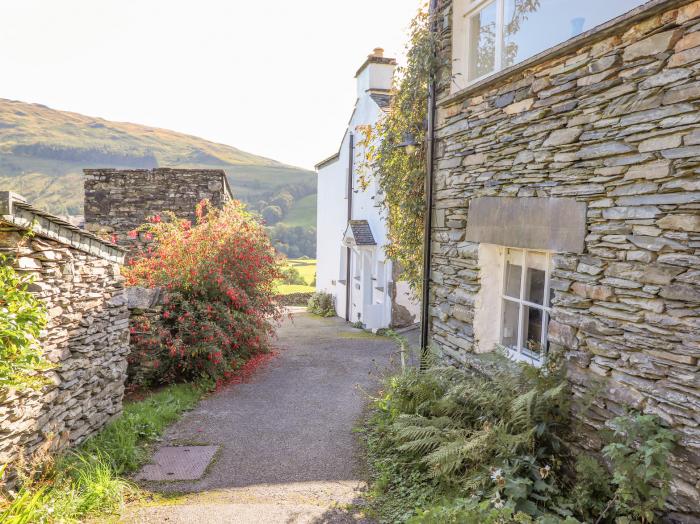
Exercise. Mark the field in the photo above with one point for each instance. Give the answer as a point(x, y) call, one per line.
point(307, 269)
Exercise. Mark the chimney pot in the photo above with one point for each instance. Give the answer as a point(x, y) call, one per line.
point(378, 52)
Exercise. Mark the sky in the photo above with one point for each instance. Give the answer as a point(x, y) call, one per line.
point(274, 78)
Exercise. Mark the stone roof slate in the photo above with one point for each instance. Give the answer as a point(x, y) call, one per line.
point(15, 210)
point(362, 233)
point(382, 100)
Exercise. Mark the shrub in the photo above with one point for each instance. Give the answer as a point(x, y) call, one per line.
point(219, 277)
point(450, 445)
point(639, 454)
point(322, 304)
point(22, 317)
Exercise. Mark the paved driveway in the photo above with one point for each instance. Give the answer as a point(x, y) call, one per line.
point(288, 453)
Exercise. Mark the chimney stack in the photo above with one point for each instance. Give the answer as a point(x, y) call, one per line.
point(376, 74)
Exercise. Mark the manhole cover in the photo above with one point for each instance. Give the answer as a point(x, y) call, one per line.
point(178, 463)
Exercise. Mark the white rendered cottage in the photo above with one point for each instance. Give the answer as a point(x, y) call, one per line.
point(351, 230)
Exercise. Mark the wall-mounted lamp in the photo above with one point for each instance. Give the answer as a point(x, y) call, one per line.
point(409, 143)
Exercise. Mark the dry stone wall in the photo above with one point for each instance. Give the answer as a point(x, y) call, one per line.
point(87, 337)
point(118, 201)
point(614, 123)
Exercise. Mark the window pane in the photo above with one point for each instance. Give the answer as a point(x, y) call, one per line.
point(513, 273)
point(532, 335)
point(531, 26)
point(482, 42)
point(510, 324)
point(534, 286)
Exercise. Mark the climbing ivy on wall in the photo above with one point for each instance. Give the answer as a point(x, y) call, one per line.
point(22, 317)
point(400, 171)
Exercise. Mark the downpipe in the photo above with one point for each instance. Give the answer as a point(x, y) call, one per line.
point(428, 222)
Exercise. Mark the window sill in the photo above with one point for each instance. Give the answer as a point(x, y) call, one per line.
point(524, 356)
point(597, 33)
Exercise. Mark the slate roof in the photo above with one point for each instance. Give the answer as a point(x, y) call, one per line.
point(362, 233)
point(382, 100)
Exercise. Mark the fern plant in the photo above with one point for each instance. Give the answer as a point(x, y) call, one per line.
point(461, 426)
point(453, 445)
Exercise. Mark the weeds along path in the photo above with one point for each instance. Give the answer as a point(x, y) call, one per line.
point(288, 453)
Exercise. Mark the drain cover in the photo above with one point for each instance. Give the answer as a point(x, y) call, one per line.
point(178, 463)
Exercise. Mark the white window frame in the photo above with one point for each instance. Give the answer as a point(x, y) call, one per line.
point(474, 9)
point(461, 38)
point(520, 352)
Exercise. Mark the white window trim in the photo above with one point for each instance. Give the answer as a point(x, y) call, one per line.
point(520, 353)
point(498, 59)
point(463, 49)
point(464, 9)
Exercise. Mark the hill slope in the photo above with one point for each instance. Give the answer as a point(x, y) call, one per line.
point(43, 152)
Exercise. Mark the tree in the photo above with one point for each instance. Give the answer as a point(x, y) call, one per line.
point(272, 214)
point(284, 201)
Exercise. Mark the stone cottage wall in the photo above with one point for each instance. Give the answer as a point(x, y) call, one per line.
point(614, 123)
point(118, 201)
point(86, 337)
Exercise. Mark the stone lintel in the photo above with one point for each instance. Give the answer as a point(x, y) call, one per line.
point(552, 224)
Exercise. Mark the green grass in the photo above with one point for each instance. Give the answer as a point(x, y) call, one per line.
point(89, 480)
point(307, 269)
point(303, 213)
point(288, 289)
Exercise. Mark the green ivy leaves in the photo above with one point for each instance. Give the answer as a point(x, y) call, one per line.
point(22, 317)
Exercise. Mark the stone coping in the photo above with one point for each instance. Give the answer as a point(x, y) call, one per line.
point(165, 171)
point(597, 33)
point(15, 210)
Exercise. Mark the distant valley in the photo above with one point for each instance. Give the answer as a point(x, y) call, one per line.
point(43, 152)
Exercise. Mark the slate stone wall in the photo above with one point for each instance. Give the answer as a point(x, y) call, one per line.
point(87, 337)
point(145, 322)
point(118, 201)
point(614, 123)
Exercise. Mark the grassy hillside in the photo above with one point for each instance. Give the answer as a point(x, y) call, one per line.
point(303, 212)
point(43, 152)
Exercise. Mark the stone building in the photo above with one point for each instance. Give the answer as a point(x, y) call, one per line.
point(351, 232)
point(118, 201)
point(566, 202)
point(77, 276)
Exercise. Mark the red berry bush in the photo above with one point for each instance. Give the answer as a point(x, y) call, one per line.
point(219, 310)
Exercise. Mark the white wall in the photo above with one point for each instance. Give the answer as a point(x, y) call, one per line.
point(371, 302)
point(331, 221)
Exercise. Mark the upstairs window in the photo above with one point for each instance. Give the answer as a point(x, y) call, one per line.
point(491, 35)
point(526, 303)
